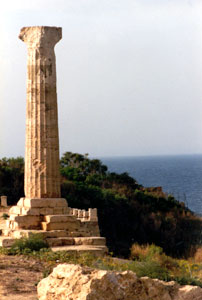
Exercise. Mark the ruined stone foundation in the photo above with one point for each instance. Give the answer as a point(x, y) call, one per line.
point(64, 228)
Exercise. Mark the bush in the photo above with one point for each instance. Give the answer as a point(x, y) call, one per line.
point(198, 255)
point(5, 216)
point(188, 280)
point(146, 252)
point(151, 269)
point(153, 253)
point(26, 245)
point(139, 252)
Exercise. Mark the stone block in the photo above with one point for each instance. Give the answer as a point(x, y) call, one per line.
point(6, 242)
point(92, 214)
point(58, 211)
point(66, 211)
point(26, 222)
point(8, 223)
point(6, 232)
point(14, 225)
point(75, 212)
point(21, 202)
point(85, 214)
point(16, 210)
point(4, 201)
point(80, 213)
point(70, 211)
point(61, 241)
point(45, 202)
point(56, 233)
point(54, 242)
point(73, 233)
point(90, 228)
point(30, 211)
point(98, 241)
point(67, 241)
point(70, 226)
point(27, 219)
point(59, 218)
point(46, 211)
point(18, 234)
point(25, 233)
point(12, 217)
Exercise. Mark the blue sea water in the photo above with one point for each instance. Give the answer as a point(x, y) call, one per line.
point(180, 175)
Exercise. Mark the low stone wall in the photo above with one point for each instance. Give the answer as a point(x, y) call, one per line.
point(84, 215)
point(75, 282)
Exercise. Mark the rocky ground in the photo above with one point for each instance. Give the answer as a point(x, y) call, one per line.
point(19, 277)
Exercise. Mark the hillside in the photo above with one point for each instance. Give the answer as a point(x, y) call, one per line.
point(128, 212)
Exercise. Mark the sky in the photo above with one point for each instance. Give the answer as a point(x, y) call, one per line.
point(129, 75)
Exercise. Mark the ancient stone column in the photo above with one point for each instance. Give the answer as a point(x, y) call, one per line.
point(42, 178)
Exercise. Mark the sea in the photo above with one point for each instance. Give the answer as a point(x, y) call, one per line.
point(179, 175)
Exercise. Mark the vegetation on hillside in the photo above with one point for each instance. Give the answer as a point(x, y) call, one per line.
point(12, 178)
point(147, 260)
point(128, 213)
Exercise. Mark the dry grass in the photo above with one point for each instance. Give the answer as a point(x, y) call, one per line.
point(198, 255)
point(139, 252)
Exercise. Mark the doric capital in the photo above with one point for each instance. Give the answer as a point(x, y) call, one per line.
point(40, 36)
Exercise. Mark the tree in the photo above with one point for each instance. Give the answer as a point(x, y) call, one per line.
point(12, 178)
point(78, 166)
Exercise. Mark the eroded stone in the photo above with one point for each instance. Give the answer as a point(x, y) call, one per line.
point(75, 282)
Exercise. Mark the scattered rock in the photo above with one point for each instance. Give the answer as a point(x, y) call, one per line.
point(73, 282)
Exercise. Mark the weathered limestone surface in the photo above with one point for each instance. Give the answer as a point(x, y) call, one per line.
point(75, 282)
point(42, 178)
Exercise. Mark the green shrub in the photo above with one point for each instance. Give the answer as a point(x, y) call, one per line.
point(27, 245)
point(188, 280)
point(151, 269)
point(154, 251)
point(5, 216)
point(146, 252)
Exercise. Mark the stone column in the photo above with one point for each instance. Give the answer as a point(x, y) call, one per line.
point(42, 178)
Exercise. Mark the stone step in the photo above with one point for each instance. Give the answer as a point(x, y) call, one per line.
point(59, 218)
point(95, 250)
point(70, 225)
point(17, 234)
point(6, 242)
point(94, 240)
point(27, 233)
point(62, 241)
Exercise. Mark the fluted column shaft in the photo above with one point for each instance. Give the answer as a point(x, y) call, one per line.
point(42, 178)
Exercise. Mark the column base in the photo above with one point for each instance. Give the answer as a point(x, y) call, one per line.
point(52, 214)
point(42, 203)
point(62, 227)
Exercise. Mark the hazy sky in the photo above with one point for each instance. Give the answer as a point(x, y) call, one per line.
point(129, 75)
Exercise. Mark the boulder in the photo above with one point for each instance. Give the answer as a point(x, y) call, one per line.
point(73, 282)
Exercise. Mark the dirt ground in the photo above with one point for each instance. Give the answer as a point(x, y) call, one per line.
point(19, 277)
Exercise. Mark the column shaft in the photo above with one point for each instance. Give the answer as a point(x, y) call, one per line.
point(42, 178)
